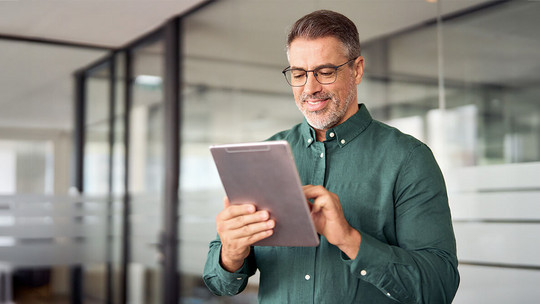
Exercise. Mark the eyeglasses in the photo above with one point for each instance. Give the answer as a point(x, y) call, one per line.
point(324, 74)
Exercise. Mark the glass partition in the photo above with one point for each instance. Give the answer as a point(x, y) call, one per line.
point(96, 161)
point(465, 86)
point(146, 173)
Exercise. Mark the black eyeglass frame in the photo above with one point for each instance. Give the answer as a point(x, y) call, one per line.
point(335, 67)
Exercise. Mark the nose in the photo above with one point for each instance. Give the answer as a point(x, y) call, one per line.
point(312, 85)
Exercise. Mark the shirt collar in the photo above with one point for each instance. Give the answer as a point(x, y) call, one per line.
point(343, 133)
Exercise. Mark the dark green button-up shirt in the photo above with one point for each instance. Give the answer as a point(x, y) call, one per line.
point(392, 192)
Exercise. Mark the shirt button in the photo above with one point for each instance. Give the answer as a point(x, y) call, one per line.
point(388, 294)
point(322, 155)
point(307, 277)
point(309, 140)
point(332, 134)
point(239, 279)
point(343, 141)
point(363, 272)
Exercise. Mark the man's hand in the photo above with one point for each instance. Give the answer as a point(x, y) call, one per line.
point(330, 221)
point(239, 227)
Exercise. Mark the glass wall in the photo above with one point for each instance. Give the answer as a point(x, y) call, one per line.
point(103, 181)
point(146, 172)
point(466, 86)
point(95, 174)
point(27, 166)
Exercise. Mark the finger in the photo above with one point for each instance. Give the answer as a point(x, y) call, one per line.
point(226, 202)
point(247, 231)
point(245, 220)
point(254, 238)
point(232, 211)
point(317, 206)
point(311, 191)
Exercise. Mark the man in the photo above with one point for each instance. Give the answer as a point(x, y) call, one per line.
point(379, 199)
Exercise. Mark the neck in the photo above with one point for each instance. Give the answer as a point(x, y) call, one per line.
point(321, 134)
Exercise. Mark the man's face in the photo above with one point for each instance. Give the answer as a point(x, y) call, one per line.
point(325, 106)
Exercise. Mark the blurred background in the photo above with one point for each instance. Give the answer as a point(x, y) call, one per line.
point(108, 193)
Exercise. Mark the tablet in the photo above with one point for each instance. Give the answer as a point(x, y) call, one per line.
point(264, 174)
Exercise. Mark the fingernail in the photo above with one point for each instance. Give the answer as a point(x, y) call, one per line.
point(270, 224)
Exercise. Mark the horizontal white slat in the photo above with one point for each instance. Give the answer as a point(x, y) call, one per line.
point(495, 177)
point(146, 205)
point(47, 254)
point(502, 243)
point(145, 226)
point(96, 229)
point(202, 203)
point(497, 285)
point(197, 229)
point(56, 211)
point(495, 205)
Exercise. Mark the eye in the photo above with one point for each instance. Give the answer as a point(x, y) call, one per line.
point(326, 72)
point(298, 73)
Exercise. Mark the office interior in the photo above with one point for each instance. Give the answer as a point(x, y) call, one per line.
point(108, 192)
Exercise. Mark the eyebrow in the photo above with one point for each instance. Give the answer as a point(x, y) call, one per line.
point(326, 65)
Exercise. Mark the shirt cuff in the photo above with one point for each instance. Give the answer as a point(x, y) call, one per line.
point(372, 258)
point(236, 278)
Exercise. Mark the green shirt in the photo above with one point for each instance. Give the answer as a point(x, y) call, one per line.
point(392, 191)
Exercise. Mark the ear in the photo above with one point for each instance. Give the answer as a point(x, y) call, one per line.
point(359, 69)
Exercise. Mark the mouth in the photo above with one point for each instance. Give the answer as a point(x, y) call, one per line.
point(316, 104)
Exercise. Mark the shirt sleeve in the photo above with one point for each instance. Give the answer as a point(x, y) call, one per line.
point(220, 281)
point(422, 267)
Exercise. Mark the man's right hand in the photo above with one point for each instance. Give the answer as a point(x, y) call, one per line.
point(239, 227)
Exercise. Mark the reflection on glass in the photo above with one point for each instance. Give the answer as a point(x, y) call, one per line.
point(95, 176)
point(146, 174)
point(26, 167)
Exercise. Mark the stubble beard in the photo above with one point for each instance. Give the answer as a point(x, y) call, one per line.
point(331, 115)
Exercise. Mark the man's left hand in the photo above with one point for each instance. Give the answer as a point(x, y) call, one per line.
point(330, 221)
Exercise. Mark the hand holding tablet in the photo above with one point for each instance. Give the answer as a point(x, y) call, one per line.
point(264, 175)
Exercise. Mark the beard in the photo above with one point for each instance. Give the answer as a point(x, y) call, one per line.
point(332, 114)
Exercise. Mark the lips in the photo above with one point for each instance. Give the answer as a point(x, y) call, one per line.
point(315, 104)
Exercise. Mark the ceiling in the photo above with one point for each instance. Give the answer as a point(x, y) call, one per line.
point(36, 82)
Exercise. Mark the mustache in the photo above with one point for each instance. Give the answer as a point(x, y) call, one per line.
point(305, 97)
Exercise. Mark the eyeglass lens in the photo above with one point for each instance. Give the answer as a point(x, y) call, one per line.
point(324, 75)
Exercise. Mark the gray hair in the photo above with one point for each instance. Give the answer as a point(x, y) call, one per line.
point(324, 23)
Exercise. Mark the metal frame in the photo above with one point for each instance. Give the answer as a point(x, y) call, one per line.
point(78, 166)
point(126, 228)
point(169, 238)
point(109, 290)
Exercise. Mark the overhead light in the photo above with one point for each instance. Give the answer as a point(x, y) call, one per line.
point(148, 80)
point(431, 1)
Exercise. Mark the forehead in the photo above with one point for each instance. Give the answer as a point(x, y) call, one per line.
point(309, 53)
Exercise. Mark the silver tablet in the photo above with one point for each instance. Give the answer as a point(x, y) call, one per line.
point(264, 174)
